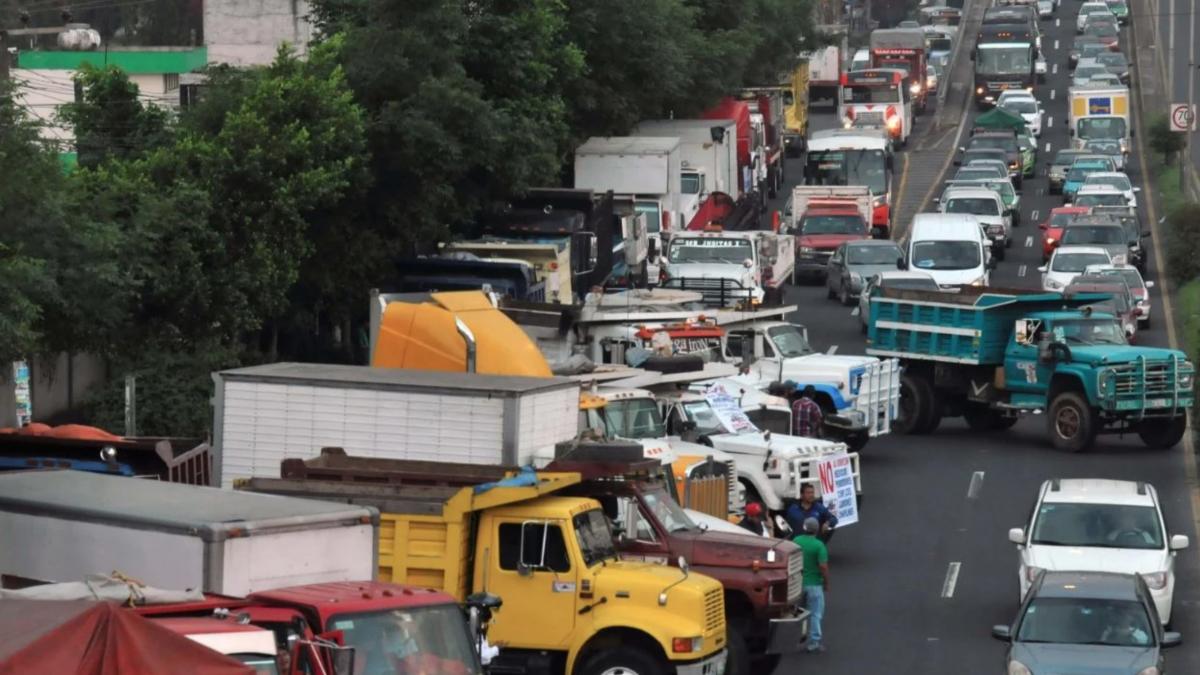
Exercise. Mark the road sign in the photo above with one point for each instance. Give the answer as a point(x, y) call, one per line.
point(1183, 117)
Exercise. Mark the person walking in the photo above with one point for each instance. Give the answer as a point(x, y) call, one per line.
point(753, 520)
point(806, 414)
point(810, 507)
point(816, 581)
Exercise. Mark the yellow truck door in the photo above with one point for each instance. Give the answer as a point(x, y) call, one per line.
point(534, 563)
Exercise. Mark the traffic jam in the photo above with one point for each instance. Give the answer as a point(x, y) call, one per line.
point(727, 405)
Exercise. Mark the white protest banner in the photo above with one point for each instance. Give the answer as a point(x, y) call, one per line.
point(837, 487)
point(725, 406)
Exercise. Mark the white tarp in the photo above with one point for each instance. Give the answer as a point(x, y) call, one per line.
point(102, 587)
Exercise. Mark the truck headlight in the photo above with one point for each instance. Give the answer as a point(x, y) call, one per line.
point(977, 282)
point(915, 88)
point(1105, 381)
point(978, 90)
point(1052, 284)
point(686, 645)
point(1185, 380)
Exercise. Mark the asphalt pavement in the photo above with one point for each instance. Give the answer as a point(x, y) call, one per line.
point(895, 606)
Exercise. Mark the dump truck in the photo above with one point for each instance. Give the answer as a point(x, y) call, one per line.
point(796, 106)
point(68, 524)
point(571, 605)
point(991, 355)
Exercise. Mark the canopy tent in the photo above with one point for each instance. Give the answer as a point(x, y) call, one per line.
point(999, 118)
point(98, 638)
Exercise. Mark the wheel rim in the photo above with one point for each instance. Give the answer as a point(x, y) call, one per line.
point(619, 670)
point(1067, 422)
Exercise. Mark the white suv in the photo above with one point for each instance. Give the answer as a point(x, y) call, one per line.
point(1095, 525)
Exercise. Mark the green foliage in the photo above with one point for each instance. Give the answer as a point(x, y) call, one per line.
point(1183, 243)
point(1164, 141)
point(110, 122)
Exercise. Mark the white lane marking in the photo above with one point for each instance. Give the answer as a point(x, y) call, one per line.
point(1029, 241)
point(1054, 69)
point(976, 485)
point(1021, 271)
point(1049, 122)
point(1048, 142)
point(1057, 23)
point(951, 579)
point(1056, 44)
point(1033, 214)
point(1051, 94)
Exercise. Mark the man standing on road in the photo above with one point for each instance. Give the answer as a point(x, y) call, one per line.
point(806, 414)
point(816, 581)
point(811, 507)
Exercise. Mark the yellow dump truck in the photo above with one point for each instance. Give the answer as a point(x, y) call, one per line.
point(571, 605)
point(795, 110)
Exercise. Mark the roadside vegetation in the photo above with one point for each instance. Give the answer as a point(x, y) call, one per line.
point(251, 227)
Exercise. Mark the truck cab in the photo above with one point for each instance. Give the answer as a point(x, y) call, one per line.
point(730, 268)
point(824, 218)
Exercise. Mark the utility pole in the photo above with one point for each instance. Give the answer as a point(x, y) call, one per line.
point(26, 30)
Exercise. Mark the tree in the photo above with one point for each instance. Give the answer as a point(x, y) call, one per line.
point(1164, 141)
point(1183, 239)
point(110, 121)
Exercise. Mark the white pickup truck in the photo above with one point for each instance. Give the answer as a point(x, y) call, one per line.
point(731, 268)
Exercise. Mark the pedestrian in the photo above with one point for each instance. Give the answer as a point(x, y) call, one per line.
point(753, 520)
point(810, 507)
point(806, 414)
point(816, 581)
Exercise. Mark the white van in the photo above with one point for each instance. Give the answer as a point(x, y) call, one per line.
point(986, 205)
point(952, 248)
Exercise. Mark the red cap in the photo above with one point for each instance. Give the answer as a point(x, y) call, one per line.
point(754, 509)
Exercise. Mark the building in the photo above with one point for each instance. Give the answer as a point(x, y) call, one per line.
point(249, 32)
point(46, 80)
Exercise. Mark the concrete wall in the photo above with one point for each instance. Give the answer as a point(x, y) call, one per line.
point(248, 32)
point(54, 387)
point(40, 92)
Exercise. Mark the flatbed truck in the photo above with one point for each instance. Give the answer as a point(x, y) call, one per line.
point(991, 355)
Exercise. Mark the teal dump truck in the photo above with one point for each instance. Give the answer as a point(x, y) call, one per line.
point(990, 355)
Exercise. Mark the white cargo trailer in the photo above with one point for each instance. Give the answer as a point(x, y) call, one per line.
point(708, 165)
point(66, 525)
point(264, 414)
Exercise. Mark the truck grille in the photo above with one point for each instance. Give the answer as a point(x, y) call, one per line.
point(869, 118)
point(877, 390)
point(716, 292)
point(731, 483)
point(1147, 384)
point(714, 610)
point(795, 577)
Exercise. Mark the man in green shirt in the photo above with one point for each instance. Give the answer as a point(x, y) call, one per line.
point(816, 580)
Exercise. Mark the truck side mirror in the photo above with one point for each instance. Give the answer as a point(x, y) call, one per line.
point(900, 264)
point(532, 559)
point(584, 252)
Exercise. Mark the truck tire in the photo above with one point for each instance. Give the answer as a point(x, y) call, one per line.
point(1072, 422)
point(622, 661)
point(933, 416)
point(674, 364)
point(915, 394)
point(1162, 434)
point(737, 654)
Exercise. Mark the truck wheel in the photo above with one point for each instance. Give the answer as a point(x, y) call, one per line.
point(1072, 422)
point(856, 442)
point(915, 394)
point(737, 654)
point(933, 416)
point(1162, 434)
point(622, 661)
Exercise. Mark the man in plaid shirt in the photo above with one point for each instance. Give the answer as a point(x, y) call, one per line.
point(806, 414)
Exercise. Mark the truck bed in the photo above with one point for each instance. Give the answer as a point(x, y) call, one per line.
point(968, 327)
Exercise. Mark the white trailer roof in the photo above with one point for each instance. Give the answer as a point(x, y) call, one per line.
point(628, 145)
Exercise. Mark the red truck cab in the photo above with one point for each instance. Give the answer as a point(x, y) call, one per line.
point(1052, 227)
point(822, 228)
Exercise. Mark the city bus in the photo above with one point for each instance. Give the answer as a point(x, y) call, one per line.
point(854, 157)
point(878, 97)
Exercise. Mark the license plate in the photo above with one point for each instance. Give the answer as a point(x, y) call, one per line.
point(1158, 403)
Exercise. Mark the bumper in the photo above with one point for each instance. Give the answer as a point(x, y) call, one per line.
point(787, 635)
point(1162, 600)
point(713, 665)
point(812, 267)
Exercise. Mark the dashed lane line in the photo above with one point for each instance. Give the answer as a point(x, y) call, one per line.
point(1049, 121)
point(976, 485)
point(951, 581)
point(1029, 241)
point(1021, 271)
point(1051, 94)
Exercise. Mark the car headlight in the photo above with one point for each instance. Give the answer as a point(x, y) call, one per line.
point(1018, 668)
point(1185, 380)
point(846, 124)
point(1155, 580)
point(855, 278)
point(979, 90)
point(978, 282)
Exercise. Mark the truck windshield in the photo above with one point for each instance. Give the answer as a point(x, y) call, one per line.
point(595, 537)
point(946, 255)
point(673, 518)
point(847, 224)
point(411, 639)
point(707, 422)
point(883, 93)
point(848, 167)
point(710, 250)
point(634, 418)
point(1101, 127)
point(1090, 332)
point(1007, 59)
point(978, 206)
point(789, 341)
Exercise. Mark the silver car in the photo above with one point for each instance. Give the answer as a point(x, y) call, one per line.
point(856, 261)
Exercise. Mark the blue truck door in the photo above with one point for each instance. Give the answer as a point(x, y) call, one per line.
point(1022, 370)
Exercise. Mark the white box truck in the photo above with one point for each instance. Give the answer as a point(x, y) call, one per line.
point(66, 525)
point(264, 414)
point(708, 165)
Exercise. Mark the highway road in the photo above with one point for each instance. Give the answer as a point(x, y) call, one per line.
point(893, 606)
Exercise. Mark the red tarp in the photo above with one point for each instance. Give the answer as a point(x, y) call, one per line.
point(75, 431)
point(739, 111)
point(98, 638)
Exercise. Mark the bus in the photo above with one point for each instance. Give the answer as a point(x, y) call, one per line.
point(879, 97)
point(854, 157)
